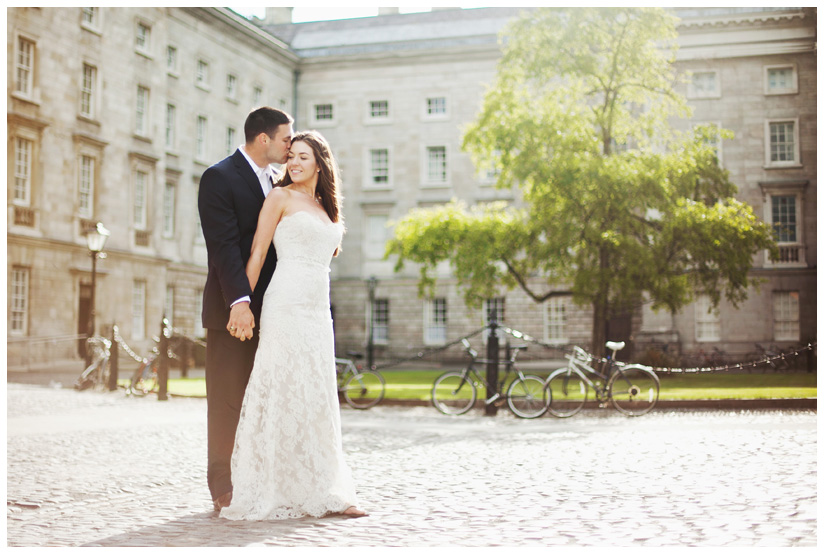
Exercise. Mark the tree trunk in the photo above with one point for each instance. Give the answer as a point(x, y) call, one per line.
point(601, 306)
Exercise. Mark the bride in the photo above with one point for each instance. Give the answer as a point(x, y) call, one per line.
point(288, 461)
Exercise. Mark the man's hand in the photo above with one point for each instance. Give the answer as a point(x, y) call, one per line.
point(241, 321)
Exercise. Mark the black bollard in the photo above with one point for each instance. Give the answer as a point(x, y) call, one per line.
point(113, 360)
point(183, 356)
point(163, 361)
point(492, 368)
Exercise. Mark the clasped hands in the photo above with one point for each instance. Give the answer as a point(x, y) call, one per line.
point(241, 321)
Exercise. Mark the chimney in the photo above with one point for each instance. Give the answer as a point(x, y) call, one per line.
point(278, 16)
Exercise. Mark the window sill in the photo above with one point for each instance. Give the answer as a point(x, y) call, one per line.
point(144, 53)
point(791, 166)
point(88, 119)
point(26, 98)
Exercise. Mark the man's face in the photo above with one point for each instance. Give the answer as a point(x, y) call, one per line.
point(278, 146)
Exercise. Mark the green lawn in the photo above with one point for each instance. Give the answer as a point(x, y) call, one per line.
point(417, 385)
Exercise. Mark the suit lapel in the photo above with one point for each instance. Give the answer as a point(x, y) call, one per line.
point(248, 175)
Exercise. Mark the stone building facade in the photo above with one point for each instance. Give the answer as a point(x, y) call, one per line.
point(391, 94)
point(113, 115)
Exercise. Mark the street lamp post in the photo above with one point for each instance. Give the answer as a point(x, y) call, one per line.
point(371, 283)
point(96, 240)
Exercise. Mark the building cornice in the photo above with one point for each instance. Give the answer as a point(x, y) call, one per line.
point(240, 24)
point(715, 22)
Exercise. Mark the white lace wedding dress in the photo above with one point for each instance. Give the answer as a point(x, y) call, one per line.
point(288, 460)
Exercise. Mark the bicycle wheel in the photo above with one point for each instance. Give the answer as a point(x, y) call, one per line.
point(567, 392)
point(453, 393)
point(633, 390)
point(87, 378)
point(364, 390)
point(144, 381)
point(527, 397)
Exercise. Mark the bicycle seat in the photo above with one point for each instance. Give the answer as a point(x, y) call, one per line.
point(614, 345)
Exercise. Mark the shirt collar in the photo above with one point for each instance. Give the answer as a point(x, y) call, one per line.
point(255, 167)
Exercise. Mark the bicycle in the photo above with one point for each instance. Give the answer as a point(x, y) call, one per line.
point(97, 373)
point(145, 379)
point(455, 392)
point(633, 389)
point(360, 388)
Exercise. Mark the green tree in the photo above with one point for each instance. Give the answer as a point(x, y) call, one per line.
point(615, 205)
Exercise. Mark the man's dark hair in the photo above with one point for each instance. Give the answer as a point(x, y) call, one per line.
point(264, 120)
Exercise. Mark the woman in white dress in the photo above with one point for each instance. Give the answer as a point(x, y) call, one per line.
point(288, 460)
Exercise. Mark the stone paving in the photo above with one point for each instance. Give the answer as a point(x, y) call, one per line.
point(100, 469)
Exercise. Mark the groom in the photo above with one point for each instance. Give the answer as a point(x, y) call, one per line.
point(230, 198)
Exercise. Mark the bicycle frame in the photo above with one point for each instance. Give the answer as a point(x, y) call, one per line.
point(509, 366)
point(578, 365)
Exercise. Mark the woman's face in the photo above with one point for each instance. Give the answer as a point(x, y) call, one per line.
point(300, 163)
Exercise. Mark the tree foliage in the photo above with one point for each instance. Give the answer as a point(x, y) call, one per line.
point(615, 204)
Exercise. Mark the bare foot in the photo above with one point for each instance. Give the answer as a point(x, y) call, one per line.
point(354, 512)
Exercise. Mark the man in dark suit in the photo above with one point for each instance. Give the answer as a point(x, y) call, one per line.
point(230, 198)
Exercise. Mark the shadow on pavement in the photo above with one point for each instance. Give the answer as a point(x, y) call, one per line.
point(209, 530)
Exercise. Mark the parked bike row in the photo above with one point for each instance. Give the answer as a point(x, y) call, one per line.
point(632, 389)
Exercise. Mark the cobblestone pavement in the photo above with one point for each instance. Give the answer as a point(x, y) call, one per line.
point(101, 469)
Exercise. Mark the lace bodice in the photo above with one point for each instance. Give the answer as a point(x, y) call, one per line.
point(314, 243)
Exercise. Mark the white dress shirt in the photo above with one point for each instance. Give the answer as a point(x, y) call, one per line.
point(266, 177)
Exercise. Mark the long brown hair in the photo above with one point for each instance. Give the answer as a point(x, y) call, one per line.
point(327, 192)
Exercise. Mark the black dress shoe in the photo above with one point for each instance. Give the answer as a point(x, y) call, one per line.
point(222, 501)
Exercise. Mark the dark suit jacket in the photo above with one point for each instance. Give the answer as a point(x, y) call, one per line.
point(229, 201)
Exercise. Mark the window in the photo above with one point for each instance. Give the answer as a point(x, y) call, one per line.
point(24, 67)
point(172, 60)
point(85, 186)
point(200, 138)
point(379, 109)
point(322, 114)
point(139, 207)
point(198, 330)
point(435, 321)
point(783, 209)
point(169, 304)
point(555, 320)
point(169, 209)
point(19, 300)
point(783, 212)
point(230, 140)
point(379, 166)
point(782, 143)
point(786, 315)
point(143, 36)
point(23, 149)
point(142, 111)
point(436, 164)
point(202, 74)
point(704, 84)
point(493, 308)
point(436, 106)
point(87, 91)
point(376, 236)
point(89, 17)
point(781, 79)
point(231, 87)
point(715, 142)
point(257, 95)
point(707, 320)
point(381, 321)
point(171, 126)
point(490, 171)
point(138, 309)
